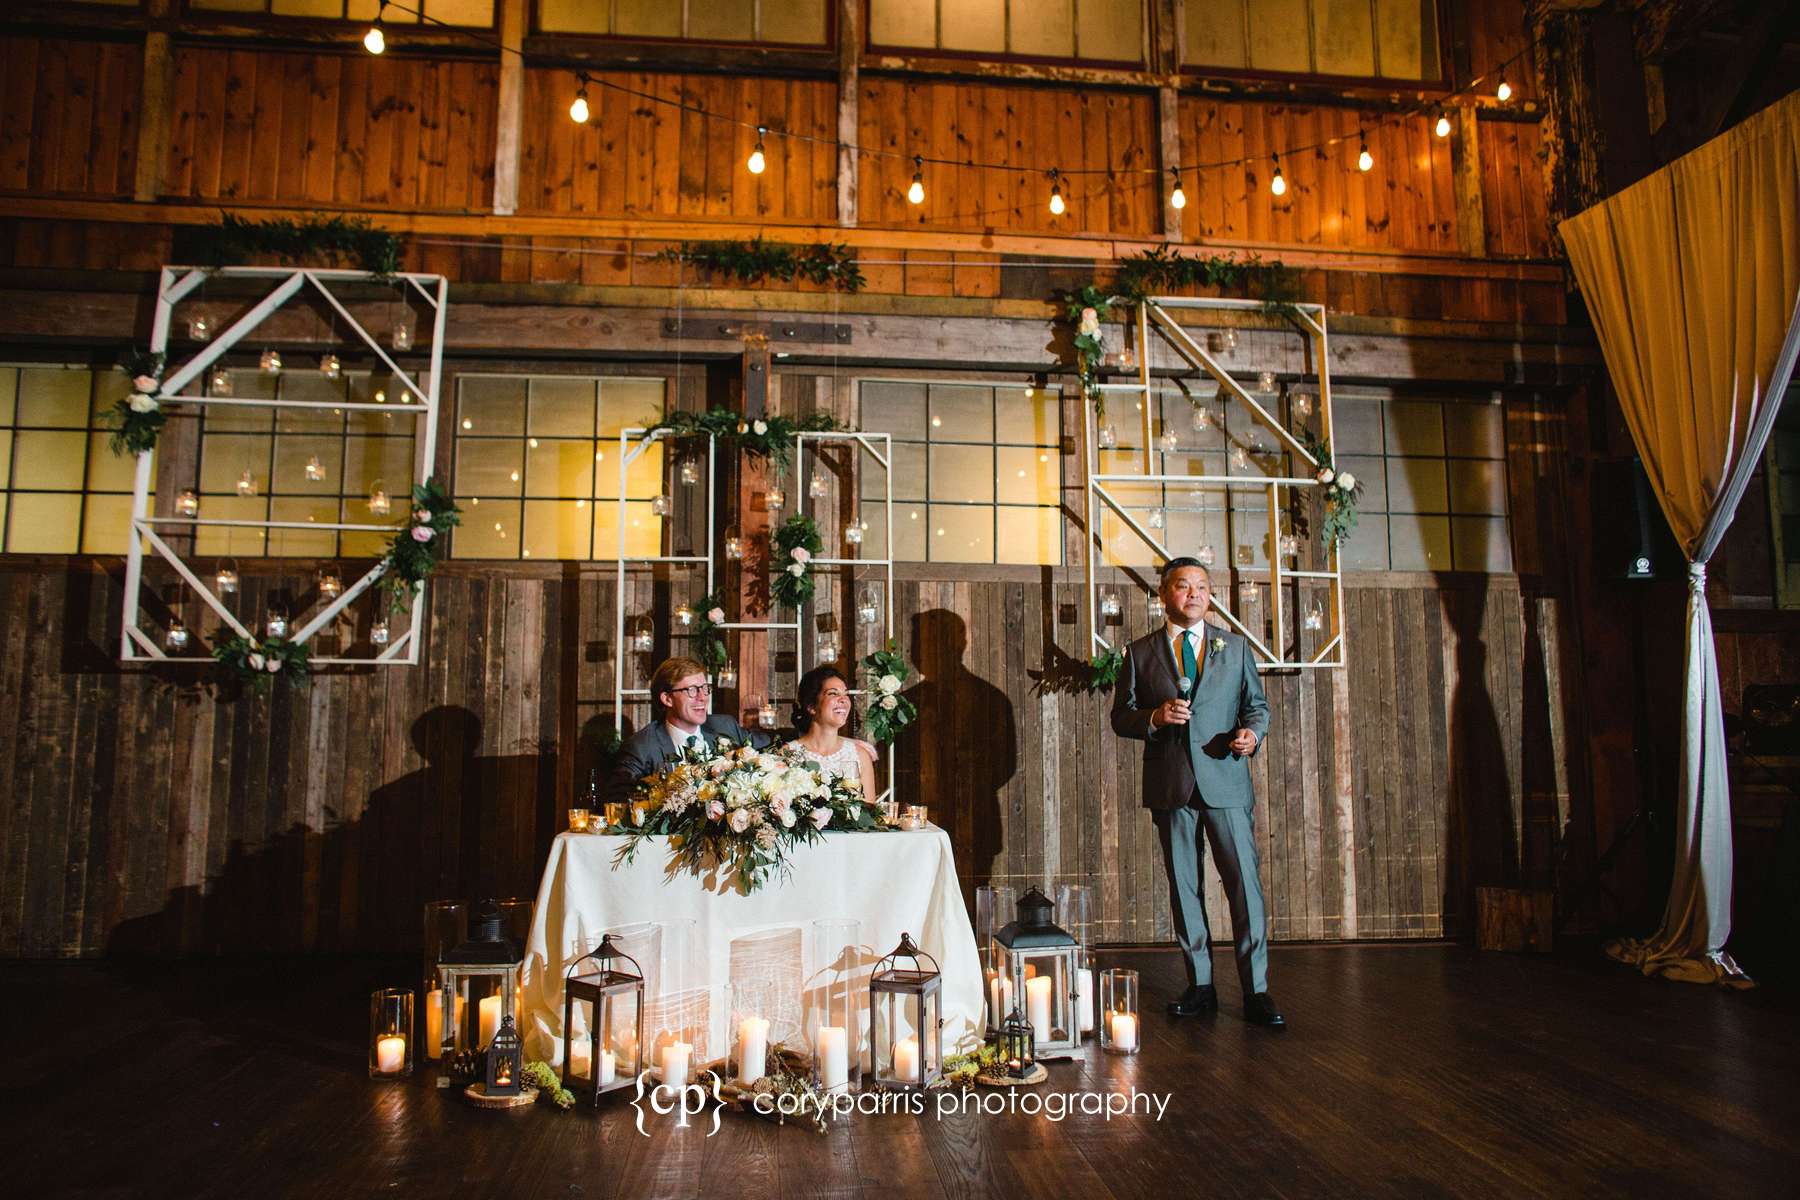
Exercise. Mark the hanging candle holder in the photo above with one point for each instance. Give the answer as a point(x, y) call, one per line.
point(200, 329)
point(1156, 519)
point(1109, 603)
point(227, 578)
point(1290, 546)
point(816, 486)
point(734, 544)
point(177, 636)
point(271, 362)
point(218, 383)
point(1201, 419)
point(1240, 457)
point(853, 532)
point(330, 365)
point(828, 649)
point(728, 677)
point(315, 470)
point(659, 506)
point(277, 625)
point(379, 633)
point(1108, 439)
point(330, 586)
point(246, 484)
point(402, 336)
point(868, 607)
point(643, 636)
point(684, 616)
point(188, 503)
point(1302, 404)
point(1206, 554)
point(379, 504)
point(1265, 381)
point(1170, 441)
point(1315, 617)
point(775, 497)
point(1154, 609)
point(689, 471)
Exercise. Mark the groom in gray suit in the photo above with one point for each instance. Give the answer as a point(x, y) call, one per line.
point(1189, 691)
point(682, 698)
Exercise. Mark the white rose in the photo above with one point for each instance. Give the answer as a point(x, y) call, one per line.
point(855, 810)
point(889, 684)
point(788, 817)
point(740, 820)
point(759, 427)
point(890, 702)
point(1347, 481)
point(1090, 321)
point(273, 665)
point(144, 383)
point(1324, 475)
point(821, 817)
point(142, 403)
point(715, 809)
point(715, 615)
point(796, 569)
point(256, 661)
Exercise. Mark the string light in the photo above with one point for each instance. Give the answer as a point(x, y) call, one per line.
point(578, 111)
point(1442, 128)
point(916, 193)
point(1056, 200)
point(374, 41)
point(1177, 198)
point(1364, 160)
point(1277, 184)
point(1503, 92)
point(757, 162)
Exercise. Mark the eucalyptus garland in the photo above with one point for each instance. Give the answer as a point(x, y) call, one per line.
point(1164, 269)
point(889, 711)
point(795, 543)
point(257, 663)
point(331, 241)
point(1341, 490)
point(138, 419)
point(757, 260)
point(709, 639)
point(418, 545)
point(768, 438)
point(1103, 670)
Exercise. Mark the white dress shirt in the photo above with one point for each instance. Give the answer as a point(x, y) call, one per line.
point(680, 736)
point(1174, 633)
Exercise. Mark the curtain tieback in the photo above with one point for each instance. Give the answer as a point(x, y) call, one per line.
point(1697, 577)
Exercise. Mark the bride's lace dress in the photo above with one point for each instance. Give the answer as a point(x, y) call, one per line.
point(840, 762)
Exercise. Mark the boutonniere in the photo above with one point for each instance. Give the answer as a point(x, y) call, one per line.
point(1215, 646)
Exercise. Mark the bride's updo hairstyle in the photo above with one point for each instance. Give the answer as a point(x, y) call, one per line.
point(812, 686)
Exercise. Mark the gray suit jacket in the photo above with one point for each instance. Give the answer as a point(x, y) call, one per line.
point(645, 751)
point(1178, 759)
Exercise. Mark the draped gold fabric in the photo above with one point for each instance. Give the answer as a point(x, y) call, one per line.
point(1692, 277)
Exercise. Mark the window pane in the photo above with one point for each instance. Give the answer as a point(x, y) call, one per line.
point(295, 454)
point(9, 393)
point(1419, 543)
point(1345, 37)
point(961, 533)
point(896, 408)
point(1356, 425)
point(1481, 544)
point(1121, 544)
point(962, 473)
point(1027, 420)
point(478, 13)
point(629, 403)
point(647, 18)
point(109, 388)
point(303, 543)
point(109, 472)
point(563, 408)
point(354, 510)
point(1415, 427)
point(1189, 530)
point(909, 23)
point(910, 526)
point(1043, 28)
point(1367, 548)
point(909, 471)
point(314, 388)
point(224, 459)
point(231, 540)
point(962, 414)
point(1215, 33)
point(489, 406)
point(721, 20)
point(6, 438)
point(488, 467)
point(1475, 430)
point(1112, 30)
point(106, 525)
point(557, 529)
point(1029, 535)
point(560, 468)
point(1279, 35)
point(388, 459)
point(643, 477)
point(49, 460)
point(43, 524)
point(643, 530)
point(1028, 476)
point(1406, 32)
point(1416, 485)
point(801, 22)
point(1371, 474)
point(1477, 487)
point(488, 530)
point(53, 396)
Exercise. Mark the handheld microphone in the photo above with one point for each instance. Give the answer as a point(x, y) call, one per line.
point(1185, 685)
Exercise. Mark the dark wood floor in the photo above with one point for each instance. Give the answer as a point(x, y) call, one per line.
point(1410, 1070)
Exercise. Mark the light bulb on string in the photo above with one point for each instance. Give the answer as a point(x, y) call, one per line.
point(1442, 128)
point(757, 161)
point(1503, 91)
point(374, 41)
point(1364, 160)
point(1277, 184)
point(916, 193)
point(1177, 198)
point(578, 110)
point(1057, 207)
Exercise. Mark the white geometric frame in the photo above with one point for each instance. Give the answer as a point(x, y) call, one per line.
point(174, 285)
point(1097, 493)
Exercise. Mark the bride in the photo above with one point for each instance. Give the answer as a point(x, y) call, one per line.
point(821, 710)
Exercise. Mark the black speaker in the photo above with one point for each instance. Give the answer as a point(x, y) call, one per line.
point(1631, 538)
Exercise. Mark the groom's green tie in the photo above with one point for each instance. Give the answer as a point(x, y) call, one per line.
point(1188, 664)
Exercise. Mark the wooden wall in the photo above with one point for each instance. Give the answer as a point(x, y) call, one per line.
point(68, 123)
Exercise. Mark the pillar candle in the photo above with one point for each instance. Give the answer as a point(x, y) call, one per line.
point(1000, 996)
point(1030, 972)
point(1037, 1006)
point(1084, 999)
point(390, 1054)
point(675, 1063)
point(608, 1071)
point(752, 1048)
point(434, 1023)
point(834, 1057)
point(489, 1017)
point(1124, 1031)
point(906, 1060)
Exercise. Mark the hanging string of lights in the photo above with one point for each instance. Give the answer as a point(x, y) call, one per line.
point(579, 111)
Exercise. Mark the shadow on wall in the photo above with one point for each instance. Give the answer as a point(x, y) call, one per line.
point(960, 753)
point(464, 826)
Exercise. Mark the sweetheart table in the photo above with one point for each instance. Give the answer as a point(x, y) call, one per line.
point(693, 937)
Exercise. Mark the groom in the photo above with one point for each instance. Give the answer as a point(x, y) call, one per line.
point(681, 696)
point(1189, 691)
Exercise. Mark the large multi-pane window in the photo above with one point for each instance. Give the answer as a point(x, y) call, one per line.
point(537, 466)
point(66, 492)
point(308, 466)
point(1109, 31)
point(476, 13)
point(976, 471)
point(781, 22)
point(1385, 39)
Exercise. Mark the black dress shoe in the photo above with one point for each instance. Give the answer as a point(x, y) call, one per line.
point(1199, 998)
point(1260, 1010)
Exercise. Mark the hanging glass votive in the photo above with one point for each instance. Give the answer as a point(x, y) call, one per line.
point(765, 716)
point(1108, 439)
point(1290, 546)
point(402, 337)
point(689, 471)
point(1265, 381)
point(1230, 336)
point(1302, 403)
point(659, 506)
point(330, 365)
point(684, 616)
point(727, 677)
point(219, 382)
point(643, 637)
point(315, 470)
point(271, 361)
point(227, 579)
point(1156, 518)
point(853, 532)
point(379, 634)
point(188, 503)
point(379, 504)
point(177, 636)
point(868, 607)
point(1315, 617)
point(1206, 554)
point(1153, 607)
point(200, 329)
point(1240, 457)
point(734, 545)
point(815, 487)
point(1170, 440)
point(277, 625)
point(775, 497)
point(330, 586)
point(828, 650)
point(246, 484)
point(1109, 603)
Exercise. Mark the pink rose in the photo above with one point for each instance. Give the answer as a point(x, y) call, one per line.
point(715, 809)
point(144, 383)
point(421, 515)
point(715, 615)
point(801, 554)
point(740, 820)
point(821, 817)
point(272, 665)
point(423, 533)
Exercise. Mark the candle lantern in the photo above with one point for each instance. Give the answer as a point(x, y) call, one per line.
point(505, 1060)
point(227, 578)
point(188, 503)
point(905, 1016)
point(1041, 958)
point(690, 471)
point(390, 1033)
point(604, 1054)
point(1119, 1011)
point(1018, 1048)
point(734, 544)
point(479, 982)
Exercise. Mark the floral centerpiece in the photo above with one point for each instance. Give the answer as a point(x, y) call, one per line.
point(742, 809)
point(258, 663)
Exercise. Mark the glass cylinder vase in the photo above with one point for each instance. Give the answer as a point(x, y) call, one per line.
point(994, 907)
point(1120, 1032)
point(1075, 913)
point(834, 1017)
point(391, 1033)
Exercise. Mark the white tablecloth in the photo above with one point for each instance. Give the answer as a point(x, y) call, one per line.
point(890, 882)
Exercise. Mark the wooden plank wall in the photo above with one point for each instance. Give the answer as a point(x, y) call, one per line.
point(68, 115)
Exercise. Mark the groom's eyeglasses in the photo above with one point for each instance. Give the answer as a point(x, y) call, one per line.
point(696, 690)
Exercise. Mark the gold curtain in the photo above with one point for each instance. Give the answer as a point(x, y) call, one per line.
point(1692, 277)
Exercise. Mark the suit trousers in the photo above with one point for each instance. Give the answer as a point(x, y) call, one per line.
point(1232, 833)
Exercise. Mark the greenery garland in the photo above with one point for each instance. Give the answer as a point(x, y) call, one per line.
point(415, 550)
point(889, 712)
point(1342, 490)
point(1103, 670)
point(795, 543)
point(709, 639)
point(258, 662)
point(138, 419)
point(768, 438)
point(1164, 269)
point(757, 260)
point(328, 240)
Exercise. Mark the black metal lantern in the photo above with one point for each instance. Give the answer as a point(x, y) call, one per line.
point(1039, 958)
point(480, 983)
point(1018, 1046)
point(607, 1055)
point(905, 1017)
point(505, 1061)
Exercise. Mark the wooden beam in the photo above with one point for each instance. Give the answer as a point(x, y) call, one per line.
point(1465, 171)
point(510, 112)
point(153, 106)
point(1168, 129)
point(849, 89)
